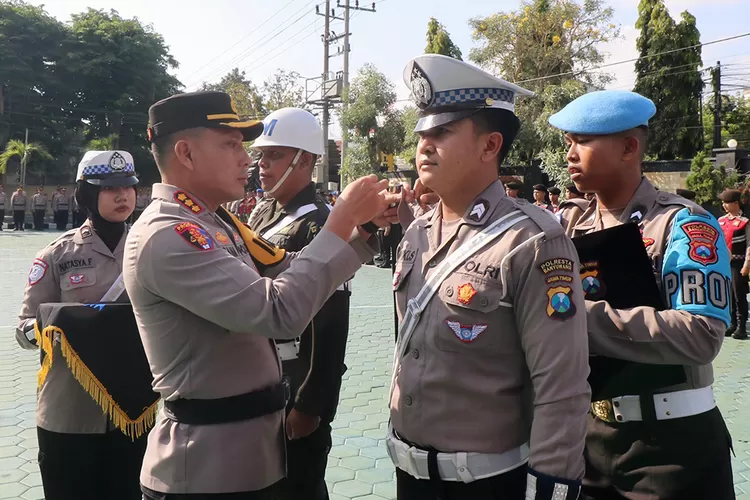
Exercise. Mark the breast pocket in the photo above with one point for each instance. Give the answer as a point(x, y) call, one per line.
point(476, 320)
point(77, 282)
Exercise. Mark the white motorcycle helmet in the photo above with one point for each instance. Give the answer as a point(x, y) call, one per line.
point(291, 128)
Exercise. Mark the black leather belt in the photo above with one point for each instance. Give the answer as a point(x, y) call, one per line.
point(232, 409)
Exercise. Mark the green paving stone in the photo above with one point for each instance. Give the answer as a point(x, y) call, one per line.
point(11, 440)
point(12, 476)
point(384, 463)
point(348, 432)
point(344, 451)
point(361, 442)
point(35, 493)
point(375, 476)
point(357, 463)
point(334, 496)
point(338, 474)
point(34, 479)
point(31, 454)
point(30, 467)
point(370, 497)
point(12, 490)
point(11, 463)
point(385, 490)
point(28, 434)
point(352, 489)
point(378, 451)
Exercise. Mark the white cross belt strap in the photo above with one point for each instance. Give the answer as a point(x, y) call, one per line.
point(416, 306)
point(114, 291)
point(294, 216)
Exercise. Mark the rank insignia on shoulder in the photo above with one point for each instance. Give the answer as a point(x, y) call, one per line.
point(466, 292)
point(466, 333)
point(37, 271)
point(222, 238)
point(560, 304)
point(703, 239)
point(195, 235)
point(479, 209)
point(186, 201)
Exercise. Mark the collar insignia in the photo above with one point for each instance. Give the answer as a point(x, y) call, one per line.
point(186, 201)
point(480, 208)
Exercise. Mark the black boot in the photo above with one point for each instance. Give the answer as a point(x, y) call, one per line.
point(741, 332)
point(730, 331)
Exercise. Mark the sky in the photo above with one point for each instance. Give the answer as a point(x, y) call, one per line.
point(210, 37)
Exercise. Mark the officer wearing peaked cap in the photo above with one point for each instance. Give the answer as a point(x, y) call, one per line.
point(82, 452)
point(210, 296)
point(491, 359)
point(636, 446)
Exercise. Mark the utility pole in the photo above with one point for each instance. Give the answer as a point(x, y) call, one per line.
point(24, 159)
point(717, 105)
point(347, 49)
point(323, 166)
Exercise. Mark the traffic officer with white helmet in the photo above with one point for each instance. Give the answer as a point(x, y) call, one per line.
point(292, 140)
point(661, 435)
point(489, 397)
point(82, 453)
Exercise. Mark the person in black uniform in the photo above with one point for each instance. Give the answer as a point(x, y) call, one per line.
point(314, 362)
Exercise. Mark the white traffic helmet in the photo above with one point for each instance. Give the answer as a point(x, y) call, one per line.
point(292, 128)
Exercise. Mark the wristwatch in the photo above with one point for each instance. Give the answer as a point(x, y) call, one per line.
point(370, 227)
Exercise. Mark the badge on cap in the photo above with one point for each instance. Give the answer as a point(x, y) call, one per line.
point(421, 88)
point(116, 162)
point(466, 333)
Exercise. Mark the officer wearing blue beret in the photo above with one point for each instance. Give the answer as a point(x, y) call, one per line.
point(489, 398)
point(669, 440)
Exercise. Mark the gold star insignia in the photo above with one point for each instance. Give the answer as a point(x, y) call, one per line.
point(181, 196)
point(196, 208)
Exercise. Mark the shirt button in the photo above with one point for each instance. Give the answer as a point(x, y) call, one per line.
point(483, 301)
point(449, 291)
point(415, 354)
point(407, 400)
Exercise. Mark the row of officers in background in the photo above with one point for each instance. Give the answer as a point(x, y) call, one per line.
point(61, 205)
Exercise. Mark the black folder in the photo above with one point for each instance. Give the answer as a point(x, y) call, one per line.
point(616, 268)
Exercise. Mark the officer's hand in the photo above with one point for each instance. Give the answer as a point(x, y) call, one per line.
point(299, 425)
point(359, 203)
point(745, 270)
point(421, 194)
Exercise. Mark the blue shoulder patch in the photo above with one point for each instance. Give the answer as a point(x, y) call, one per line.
point(695, 272)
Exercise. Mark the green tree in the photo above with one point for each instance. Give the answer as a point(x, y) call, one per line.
point(671, 79)
point(543, 43)
point(735, 121)
point(708, 181)
point(439, 41)
point(282, 90)
point(371, 117)
point(102, 143)
point(409, 117)
point(245, 94)
point(18, 149)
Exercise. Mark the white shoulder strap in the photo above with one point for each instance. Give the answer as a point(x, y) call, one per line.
point(417, 305)
point(296, 215)
point(114, 291)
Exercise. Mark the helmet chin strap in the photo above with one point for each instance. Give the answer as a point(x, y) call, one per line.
point(286, 174)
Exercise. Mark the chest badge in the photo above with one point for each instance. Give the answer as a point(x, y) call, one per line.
point(466, 333)
point(222, 238)
point(77, 279)
point(466, 292)
point(647, 242)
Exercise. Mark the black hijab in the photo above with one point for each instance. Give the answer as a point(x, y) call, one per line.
point(87, 196)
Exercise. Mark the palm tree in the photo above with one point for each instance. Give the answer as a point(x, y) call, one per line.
point(15, 148)
point(103, 143)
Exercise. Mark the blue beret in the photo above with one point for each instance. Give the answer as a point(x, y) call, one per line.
point(604, 112)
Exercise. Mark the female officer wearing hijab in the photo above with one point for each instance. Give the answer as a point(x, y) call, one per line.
point(82, 454)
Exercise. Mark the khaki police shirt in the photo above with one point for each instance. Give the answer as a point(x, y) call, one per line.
point(492, 364)
point(61, 203)
point(207, 315)
point(76, 267)
point(39, 201)
point(18, 201)
point(571, 210)
point(675, 335)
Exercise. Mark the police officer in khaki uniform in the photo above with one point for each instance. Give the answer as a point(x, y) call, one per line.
point(490, 398)
point(39, 206)
point(736, 230)
point(209, 296)
point(81, 453)
point(61, 207)
point(314, 362)
point(2, 207)
point(573, 207)
point(670, 442)
point(18, 202)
